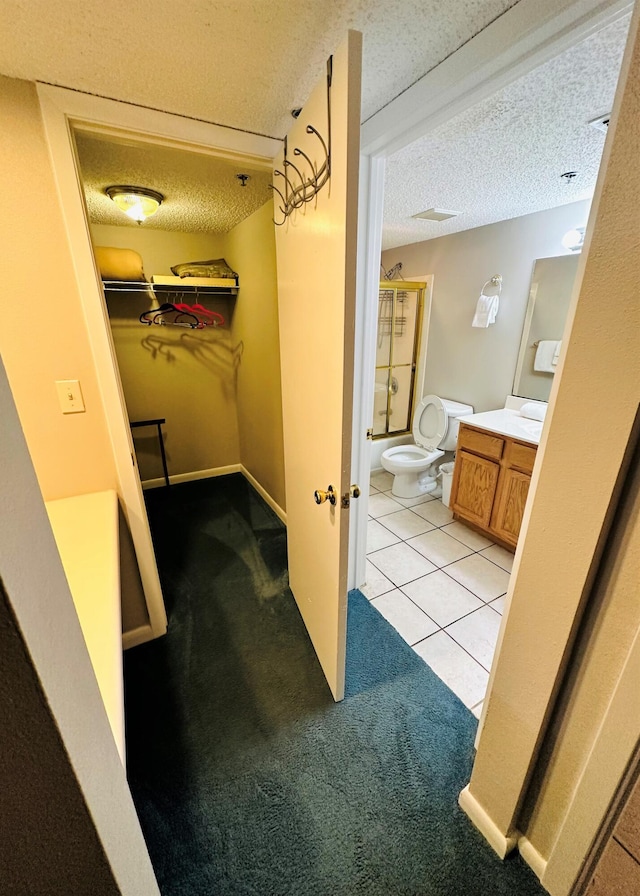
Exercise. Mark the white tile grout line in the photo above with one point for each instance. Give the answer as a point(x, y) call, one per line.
point(449, 635)
point(438, 568)
point(443, 569)
point(442, 628)
point(441, 526)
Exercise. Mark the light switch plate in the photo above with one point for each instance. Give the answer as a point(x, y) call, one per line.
point(70, 396)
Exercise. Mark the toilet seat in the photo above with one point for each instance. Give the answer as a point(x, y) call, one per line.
point(430, 422)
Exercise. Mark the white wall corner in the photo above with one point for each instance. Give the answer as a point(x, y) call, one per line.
point(177, 478)
point(501, 843)
point(264, 494)
point(532, 857)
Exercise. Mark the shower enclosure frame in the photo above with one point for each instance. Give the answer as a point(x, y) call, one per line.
point(396, 287)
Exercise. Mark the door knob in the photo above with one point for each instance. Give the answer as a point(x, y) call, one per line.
point(321, 496)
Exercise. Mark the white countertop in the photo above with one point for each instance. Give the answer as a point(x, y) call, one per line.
point(85, 528)
point(507, 422)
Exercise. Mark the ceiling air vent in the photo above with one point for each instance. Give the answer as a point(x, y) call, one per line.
point(436, 214)
point(601, 123)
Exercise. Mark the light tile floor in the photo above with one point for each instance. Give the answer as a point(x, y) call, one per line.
point(440, 585)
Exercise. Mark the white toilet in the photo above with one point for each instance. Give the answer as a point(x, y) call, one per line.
point(435, 430)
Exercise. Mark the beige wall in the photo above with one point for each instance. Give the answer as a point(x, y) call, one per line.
point(160, 249)
point(43, 337)
point(186, 376)
point(250, 249)
point(218, 389)
point(477, 366)
point(68, 822)
point(611, 622)
point(564, 526)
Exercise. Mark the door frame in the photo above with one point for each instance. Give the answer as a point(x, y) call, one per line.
point(527, 35)
point(63, 111)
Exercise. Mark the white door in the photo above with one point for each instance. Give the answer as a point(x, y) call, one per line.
point(316, 255)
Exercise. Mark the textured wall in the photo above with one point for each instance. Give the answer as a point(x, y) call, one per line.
point(477, 366)
point(250, 248)
point(43, 337)
point(610, 625)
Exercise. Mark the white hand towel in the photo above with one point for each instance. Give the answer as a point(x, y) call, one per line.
point(556, 354)
point(533, 411)
point(486, 311)
point(545, 352)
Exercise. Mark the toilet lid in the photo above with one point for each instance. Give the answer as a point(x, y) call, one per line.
point(430, 422)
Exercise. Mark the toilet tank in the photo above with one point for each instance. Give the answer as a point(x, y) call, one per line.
point(454, 409)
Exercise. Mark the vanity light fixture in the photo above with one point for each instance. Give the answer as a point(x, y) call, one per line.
point(574, 239)
point(138, 203)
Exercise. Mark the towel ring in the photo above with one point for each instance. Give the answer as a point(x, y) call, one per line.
point(496, 281)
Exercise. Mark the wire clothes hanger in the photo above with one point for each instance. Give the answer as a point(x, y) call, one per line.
point(179, 314)
point(215, 317)
point(178, 320)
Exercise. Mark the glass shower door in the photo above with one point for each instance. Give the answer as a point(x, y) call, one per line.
point(399, 314)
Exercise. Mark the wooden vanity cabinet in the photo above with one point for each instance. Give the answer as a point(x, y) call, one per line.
point(491, 482)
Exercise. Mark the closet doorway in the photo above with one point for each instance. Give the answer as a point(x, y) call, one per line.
point(199, 353)
point(65, 114)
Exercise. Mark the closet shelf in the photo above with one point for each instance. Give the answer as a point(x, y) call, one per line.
point(188, 286)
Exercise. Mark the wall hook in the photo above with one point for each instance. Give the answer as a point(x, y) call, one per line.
point(295, 195)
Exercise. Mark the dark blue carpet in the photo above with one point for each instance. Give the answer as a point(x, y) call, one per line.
point(247, 778)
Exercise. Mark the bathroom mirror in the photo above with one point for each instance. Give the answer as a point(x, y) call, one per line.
point(549, 296)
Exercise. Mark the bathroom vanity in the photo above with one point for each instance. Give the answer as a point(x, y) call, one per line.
point(494, 461)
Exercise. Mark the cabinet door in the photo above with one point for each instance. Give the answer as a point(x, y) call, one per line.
point(512, 497)
point(474, 488)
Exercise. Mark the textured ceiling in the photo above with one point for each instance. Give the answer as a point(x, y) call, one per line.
point(241, 63)
point(202, 193)
point(504, 157)
point(247, 63)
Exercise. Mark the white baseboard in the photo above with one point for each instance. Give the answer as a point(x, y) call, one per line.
point(220, 471)
point(136, 636)
point(264, 494)
point(502, 844)
point(191, 477)
point(532, 857)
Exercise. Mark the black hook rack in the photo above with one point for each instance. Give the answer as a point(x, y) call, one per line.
point(298, 188)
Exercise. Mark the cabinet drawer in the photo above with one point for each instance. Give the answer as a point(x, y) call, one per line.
point(521, 457)
point(480, 443)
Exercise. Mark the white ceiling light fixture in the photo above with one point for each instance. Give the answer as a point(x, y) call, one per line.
point(138, 203)
point(436, 214)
